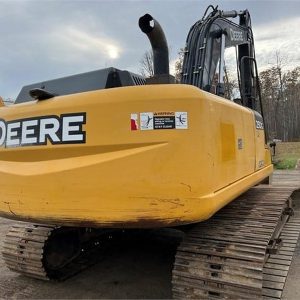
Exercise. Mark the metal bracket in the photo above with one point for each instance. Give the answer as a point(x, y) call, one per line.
point(288, 211)
point(274, 246)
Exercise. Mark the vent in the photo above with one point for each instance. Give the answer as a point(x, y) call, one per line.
point(138, 80)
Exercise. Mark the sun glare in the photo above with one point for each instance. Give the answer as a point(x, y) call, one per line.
point(113, 51)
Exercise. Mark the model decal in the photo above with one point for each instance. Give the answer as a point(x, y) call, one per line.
point(259, 123)
point(63, 129)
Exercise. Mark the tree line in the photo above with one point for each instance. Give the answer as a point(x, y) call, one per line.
point(281, 102)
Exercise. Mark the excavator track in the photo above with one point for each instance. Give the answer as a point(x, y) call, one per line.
point(243, 252)
point(24, 247)
point(52, 252)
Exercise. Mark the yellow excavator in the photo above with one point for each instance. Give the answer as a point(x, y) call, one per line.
point(85, 155)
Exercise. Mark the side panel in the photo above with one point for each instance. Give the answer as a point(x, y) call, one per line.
point(234, 142)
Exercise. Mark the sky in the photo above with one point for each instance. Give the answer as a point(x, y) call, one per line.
point(43, 39)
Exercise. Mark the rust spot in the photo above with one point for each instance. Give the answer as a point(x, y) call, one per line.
point(68, 222)
point(8, 204)
point(175, 201)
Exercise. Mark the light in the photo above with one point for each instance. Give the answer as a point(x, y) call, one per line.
point(113, 51)
point(92, 44)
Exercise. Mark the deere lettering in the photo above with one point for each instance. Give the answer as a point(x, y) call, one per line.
point(236, 35)
point(63, 129)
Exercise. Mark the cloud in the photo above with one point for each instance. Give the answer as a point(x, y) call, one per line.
point(86, 43)
point(43, 40)
point(60, 42)
point(283, 36)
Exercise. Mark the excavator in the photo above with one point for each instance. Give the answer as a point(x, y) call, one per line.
point(87, 156)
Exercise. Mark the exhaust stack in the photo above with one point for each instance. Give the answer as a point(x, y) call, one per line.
point(160, 50)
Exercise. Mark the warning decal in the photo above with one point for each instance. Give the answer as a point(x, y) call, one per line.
point(163, 120)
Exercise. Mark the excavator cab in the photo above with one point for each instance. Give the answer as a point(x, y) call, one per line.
point(204, 54)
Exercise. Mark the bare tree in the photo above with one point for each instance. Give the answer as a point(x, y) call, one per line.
point(146, 64)
point(147, 68)
point(230, 85)
point(178, 65)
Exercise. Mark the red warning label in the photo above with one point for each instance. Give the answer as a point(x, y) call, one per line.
point(134, 122)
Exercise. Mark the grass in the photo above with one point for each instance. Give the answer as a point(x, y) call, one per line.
point(285, 162)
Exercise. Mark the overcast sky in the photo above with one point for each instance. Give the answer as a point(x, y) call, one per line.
point(42, 40)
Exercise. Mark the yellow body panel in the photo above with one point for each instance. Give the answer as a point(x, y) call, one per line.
point(133, 178)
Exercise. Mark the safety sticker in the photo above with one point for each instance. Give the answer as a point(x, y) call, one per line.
point(181, 120)
point(163, 120)
point(134, 122)
point(146, 121)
